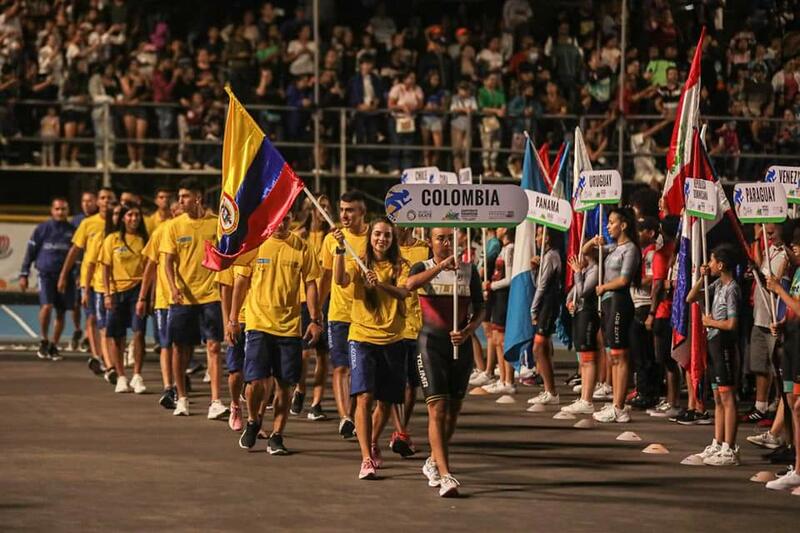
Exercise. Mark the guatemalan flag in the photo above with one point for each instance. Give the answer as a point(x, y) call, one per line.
point(519, 330)
point(258, 189)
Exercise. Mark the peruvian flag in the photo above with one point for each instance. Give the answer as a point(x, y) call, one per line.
point(679, 154)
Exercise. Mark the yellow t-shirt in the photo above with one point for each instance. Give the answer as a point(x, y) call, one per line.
point(125, 259)
point(414, 254)
point(151, 251)
point(92, 255)
point(276, 273)
point(226, 277)
point(341, 298)
point(153, 221)
point(88, 227)
point(185, 237)
point(314, 242)
point(385, 323)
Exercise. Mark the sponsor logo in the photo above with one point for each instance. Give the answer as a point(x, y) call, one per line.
point(411, 215)
point(452, 215)
point(424, 215)
point(228, 214)
point(771, 176)
point(469, 214)
point(423, 377)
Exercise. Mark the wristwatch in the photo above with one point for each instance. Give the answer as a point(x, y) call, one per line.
point(316, 321)
point(340, 251)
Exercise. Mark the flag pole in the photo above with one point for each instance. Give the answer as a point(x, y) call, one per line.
point(483, 242)
point(580, 257)
point(455, 290)
point(704, 245)
point(600, 255)
point(772, 307)
point(330, 222)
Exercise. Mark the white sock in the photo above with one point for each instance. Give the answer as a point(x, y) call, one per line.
point(714, 443)
point(725, 447)
point(761, 406)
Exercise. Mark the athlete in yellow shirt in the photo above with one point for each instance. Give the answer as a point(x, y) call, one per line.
point(163, 212)
point(377, 356)
point(271, 282)
point(123, 266)
point(195, 307)
point(88, 227)
point(352, 209)
point(154, 281)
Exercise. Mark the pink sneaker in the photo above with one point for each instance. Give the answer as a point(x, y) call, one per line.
point(235, 419)
point(375, 454)
point(367, 470)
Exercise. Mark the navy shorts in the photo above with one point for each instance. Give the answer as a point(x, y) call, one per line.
point(305, 320)
point(88, 309)
point(412, 375)
point(234, 358)
point(122, 315)
point(338, 344)
point(267, 355)
point(100, 310)
point(49, 295)
point(188, 324)
point(162, 327)
point(379, 369)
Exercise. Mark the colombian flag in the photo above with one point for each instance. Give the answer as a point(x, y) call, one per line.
point(258, 189)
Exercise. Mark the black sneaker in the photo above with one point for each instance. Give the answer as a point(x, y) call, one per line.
point(752, 416)
point(167, 400)
point(347, 429)
point(703, 419)
point(53, 352)
point(275, 445)
point(680, 414)
point(573, 380)
point(316, 413)
point(249, 435)
point(689, 418)
point(95, 365)
point(111, 376)
point(782, 456)
point(642, 402)
point(297, 403)
point(84, 346)
point(44, 350)
point(75, 341)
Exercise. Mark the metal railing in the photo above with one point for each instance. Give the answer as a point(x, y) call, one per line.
point(350, 145)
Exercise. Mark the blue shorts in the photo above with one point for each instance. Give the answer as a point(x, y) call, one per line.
point(305, 320)
point(188, 324)
point(337, 343)
point(122, 315)
point(88, 309)
point(100, 311)
point(379, 369)
point(234, 358)
point(49, 295)
point(411, 362)
point(267, 355)
point(162, 327)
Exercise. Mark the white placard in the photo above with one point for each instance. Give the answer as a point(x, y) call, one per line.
point(701, 198)
point(420, 175)
point(549, 211)
point(760, 203)
point(789, 177)
point(447, 178)
point(463, 206)
point(13, 245)
point(599, 187)
point(465, 176)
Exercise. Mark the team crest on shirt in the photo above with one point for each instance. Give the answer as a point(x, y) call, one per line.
point(228, 214)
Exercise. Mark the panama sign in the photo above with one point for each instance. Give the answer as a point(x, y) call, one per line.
point(549, 211)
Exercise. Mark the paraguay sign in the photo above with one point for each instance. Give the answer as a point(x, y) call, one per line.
point(599, 187)
point(789, 177)
point(759, 203)
point(420, 175)
point(549, 211)
point(701, 198)
point(463, 206)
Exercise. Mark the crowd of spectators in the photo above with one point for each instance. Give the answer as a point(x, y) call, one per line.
point(450, 77)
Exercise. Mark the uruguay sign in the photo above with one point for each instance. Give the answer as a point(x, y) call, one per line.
point(599, 187)
point(789, 177)
point(549, 211)
point(701, 198)
point(463, 206)
point(759, 203)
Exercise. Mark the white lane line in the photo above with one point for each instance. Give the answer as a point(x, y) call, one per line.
point(18, 320)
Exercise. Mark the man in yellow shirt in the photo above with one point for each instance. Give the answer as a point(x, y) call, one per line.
point(195, 305)
point(352, 209)
point(163, 212)
point(234, 358)
point(273, 339)
point(155, 276)
point(88, 227)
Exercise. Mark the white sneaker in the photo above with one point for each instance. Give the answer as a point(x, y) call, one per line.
point(359, 169)
point(607, 414)
point(122, 385)
point(137, 384)
point(579, 407)
point(577, 388)
point(493, 387)
point(207, 377)
point(545, 398)
point(726, 456)
point(766, 440)
point(431, 472)
point(602, 391)
point(525, 372)
point(507, 388)
point(623, 416)
point(217, 410)
point(448, 486)
point(372, 170)
point(709, 451)
point(786, 482)
point(182, 407)
point(662, 406)
point(481, 379)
